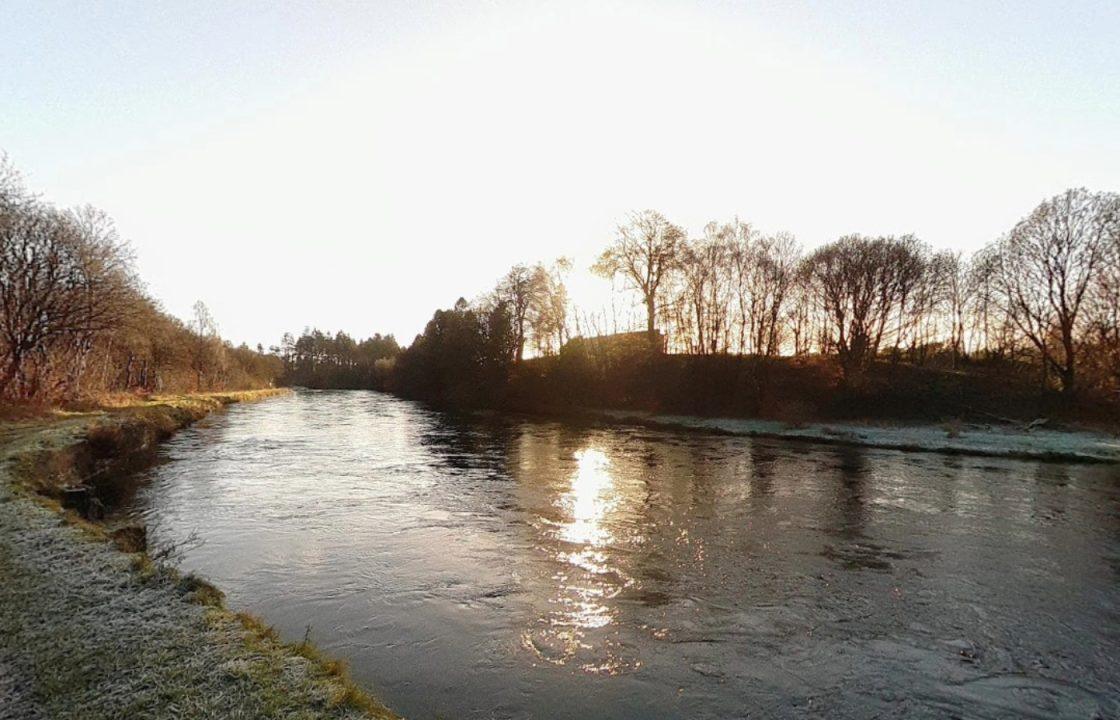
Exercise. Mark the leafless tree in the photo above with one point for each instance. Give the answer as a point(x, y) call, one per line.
point(924, 316)
point(858, 283)
point(959, 293)
point(799, 313)
point(1104, 316)
point(644, 252)
point(740, 239)
point(207, 352)
point(771, 276)
point(704, 287)
point(74, 320)
point(1047, 266)
point(65, 279)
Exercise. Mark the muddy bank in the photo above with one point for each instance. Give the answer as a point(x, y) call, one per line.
point(956, 439)
point(90, 631)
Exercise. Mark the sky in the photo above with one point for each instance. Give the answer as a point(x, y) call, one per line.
point(356, 165)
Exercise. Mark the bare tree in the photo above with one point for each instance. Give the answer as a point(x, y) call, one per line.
point(65, 279)
point(1047, 267)
point(772, 274)
point(995, 332)
point(740, 260)
point(959, 293)
point(858, 283)
point(12, 192)
point(704, 285)
point(207, 350)
point(923, 279)
point(74, 320)
point(643, 253)
point(1105, 315)
point(799, 315)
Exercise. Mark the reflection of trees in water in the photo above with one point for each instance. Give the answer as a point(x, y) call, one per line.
point(845, 518)
point(470, 443)
point(761, 478)
point(850, 492)
point(1049, 499)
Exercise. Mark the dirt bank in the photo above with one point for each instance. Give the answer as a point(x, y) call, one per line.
point(90, 631)
point(92, 449)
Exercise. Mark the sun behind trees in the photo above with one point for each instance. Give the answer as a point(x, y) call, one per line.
point(735, 321)
point(909, 330)
point(75, 322)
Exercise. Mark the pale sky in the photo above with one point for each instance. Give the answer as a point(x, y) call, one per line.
point(357, 165)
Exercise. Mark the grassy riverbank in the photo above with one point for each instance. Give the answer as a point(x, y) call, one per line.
point(88, 630)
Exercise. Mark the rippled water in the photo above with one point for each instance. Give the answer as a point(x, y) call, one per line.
point(506, 568)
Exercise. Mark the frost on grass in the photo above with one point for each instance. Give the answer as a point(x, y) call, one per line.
point(86, 634)
point(992, 441)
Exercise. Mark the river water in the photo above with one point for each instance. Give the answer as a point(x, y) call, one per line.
point(512, 568)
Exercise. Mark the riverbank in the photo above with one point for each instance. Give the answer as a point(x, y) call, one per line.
point(951, 438)
point(88, 630)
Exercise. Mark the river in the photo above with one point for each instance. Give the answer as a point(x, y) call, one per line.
point(496, 567)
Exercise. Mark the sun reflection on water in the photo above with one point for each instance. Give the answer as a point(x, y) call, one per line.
point(576, 631)
point(589, 500)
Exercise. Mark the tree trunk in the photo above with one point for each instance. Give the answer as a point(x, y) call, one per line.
point(1068, 377)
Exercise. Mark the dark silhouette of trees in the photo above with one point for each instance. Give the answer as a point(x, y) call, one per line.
point(1041, 302)
point(462, 358)
point(522, 291)
point(860, 285)
point(318, 360)
point(537, 302)
point(1047, 296)
point(704, 285)
point(1104, 315)
point(767, 270)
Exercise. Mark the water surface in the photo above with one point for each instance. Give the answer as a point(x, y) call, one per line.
point(508, 568)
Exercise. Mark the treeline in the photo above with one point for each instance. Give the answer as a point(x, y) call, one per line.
point(76, 323)
point(1045, 294)
point(318, 360)
point(1038, 307)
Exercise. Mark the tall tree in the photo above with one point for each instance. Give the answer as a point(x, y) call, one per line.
point(521, 291)
point(704, 283)
point(1048, 264)
point(859, 285)
point(644, 252)
point(771, 272)
point(549, 317)
point(65, 281)
point(1105, 314)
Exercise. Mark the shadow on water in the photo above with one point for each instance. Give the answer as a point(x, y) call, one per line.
point(847, 523)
